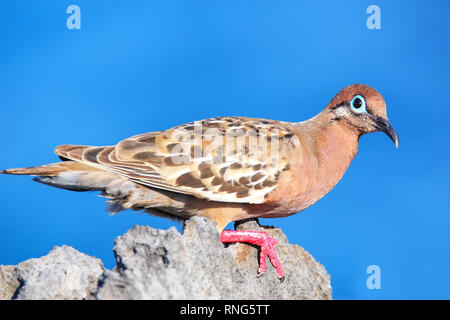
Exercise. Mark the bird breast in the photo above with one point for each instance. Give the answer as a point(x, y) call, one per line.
point(317, 167)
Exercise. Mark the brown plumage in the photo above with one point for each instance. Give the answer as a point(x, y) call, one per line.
point(228, 168)
point(196, 170)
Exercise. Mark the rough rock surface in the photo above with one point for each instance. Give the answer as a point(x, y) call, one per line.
point(64, 273)
point(164, 264)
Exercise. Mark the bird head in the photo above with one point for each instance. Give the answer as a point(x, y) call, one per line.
point(364, 109)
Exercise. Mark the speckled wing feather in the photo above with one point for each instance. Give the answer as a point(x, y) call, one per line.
point(228, 159)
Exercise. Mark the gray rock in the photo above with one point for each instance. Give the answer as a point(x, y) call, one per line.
point(9, 282)
point(157, 264)
point(164, 264)
point(64, 273)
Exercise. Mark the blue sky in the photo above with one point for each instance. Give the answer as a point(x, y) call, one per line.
point(143, 66)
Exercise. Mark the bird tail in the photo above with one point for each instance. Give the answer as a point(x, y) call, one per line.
point(50, 170)
point(121, 192)
point(70, 175)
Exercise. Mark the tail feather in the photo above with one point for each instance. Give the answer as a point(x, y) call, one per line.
point(61, 184)
point(64, 175)
point(121, 192)
point(77, 176)
point(49, 170)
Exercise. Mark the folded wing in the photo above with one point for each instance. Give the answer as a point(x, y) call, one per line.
point(220, 159)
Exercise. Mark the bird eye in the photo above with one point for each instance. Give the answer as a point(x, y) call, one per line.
point(358, 104)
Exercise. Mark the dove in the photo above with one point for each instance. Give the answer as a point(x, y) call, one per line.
point(226, 168)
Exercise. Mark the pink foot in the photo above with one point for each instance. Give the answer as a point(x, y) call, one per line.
point(261, 239)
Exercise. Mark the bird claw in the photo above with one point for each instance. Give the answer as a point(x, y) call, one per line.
point(268, 249)
point(261, 239)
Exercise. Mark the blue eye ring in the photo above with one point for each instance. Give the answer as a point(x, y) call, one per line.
point(358, 104)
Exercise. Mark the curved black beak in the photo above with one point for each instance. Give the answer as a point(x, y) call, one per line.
point(384, 125)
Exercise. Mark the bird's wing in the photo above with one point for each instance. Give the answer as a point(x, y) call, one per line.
point(228, 159)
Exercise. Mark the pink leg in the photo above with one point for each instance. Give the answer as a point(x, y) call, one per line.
point(261, 239)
